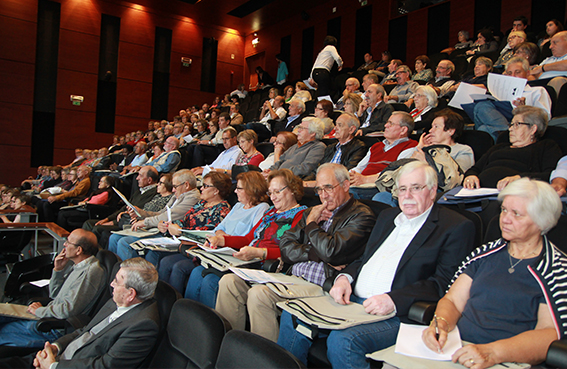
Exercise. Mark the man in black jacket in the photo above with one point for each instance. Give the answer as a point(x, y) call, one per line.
point(328, 237)
point(411, 256)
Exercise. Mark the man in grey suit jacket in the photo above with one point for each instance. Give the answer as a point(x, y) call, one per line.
point(373, 111)
point(120, 336)
point(410, 256)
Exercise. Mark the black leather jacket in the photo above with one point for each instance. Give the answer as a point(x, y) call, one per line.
point(342, 244)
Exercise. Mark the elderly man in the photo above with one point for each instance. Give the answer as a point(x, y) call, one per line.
point(295, 114)
point(494, 116)
point(303, 157)
point(227, 158)
point(351, 86)
point(186, 195)
point(348, 151)
point(169, 161)
point(411, 256)
point(121, 335)
point(327, 237)
point(207, 150)
point(555, 65)
point(381, 154)
point(147, 179)
point(443, 81)
point(178, 130)
point(373, 111)
point(390, 78)
point(558, 177)
point(274, 111)
point(405, 88)
point(74, 285)
point(235, 117)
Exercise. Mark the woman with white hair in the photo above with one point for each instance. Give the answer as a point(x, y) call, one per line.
point(507, 296)
point(425, 100)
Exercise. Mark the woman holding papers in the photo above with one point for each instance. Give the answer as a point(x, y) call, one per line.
point(251, 191)
point(204, 215)
point(525, 156)
point(262, 242)
point(507, 295)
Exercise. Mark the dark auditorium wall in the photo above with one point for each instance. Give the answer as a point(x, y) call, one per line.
point(77, 72)
point(79, 35)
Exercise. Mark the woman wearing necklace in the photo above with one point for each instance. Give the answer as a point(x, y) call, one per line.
point(247, 141)
point(506, 296)
point(285, 189)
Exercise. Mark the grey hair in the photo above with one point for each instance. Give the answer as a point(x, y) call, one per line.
point(544, 206)
point(300, 104)
point(316, 126)
point(430, 175)
point(352, 120)
point(534, 115)
point(405, 120)
point(405, 69)
point(355, 81)
point(185, 175)
point(340, 171)
point(518, 59)
point(142, 276)
point(429, 93)
point(379, 89)
point(464, 33)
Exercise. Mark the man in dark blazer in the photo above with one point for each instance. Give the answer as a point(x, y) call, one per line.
point(294, 117)
point(373, 111)
point(121, 335)
point(411, 256)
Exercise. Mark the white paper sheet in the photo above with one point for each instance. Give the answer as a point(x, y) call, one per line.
point(477, 192)
point(463, 95)
point(40, 283)
point(188, 138)
point(161, 241)
point(256, 275)
point(409, 343)
point(506, 88)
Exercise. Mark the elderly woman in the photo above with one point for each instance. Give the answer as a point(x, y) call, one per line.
point(422, 69)
point(425, 100)
point(301, 92)
point(284, 140)
point(17, 202)
point(262, 242)
point(251, 191)
point(525, 155)
point(506, 296)
point(204, 215)
point(323, 110)
point(247, 141)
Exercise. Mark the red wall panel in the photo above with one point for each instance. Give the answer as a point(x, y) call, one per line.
point(17, 82)
point(78, 51)
point(18, 39)
point(76, 83)
point(417, 35)
point(133, 98)
point(136, 62)
point(16, 124)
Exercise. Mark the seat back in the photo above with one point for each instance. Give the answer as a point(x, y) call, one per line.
point(479, 142)
point(193, 337)
point(241, 349)
point(108, 260)
point(39, 267)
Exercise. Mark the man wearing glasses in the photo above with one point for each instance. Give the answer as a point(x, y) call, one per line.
point(76, 280)
point(411, 255)
point(327, 238)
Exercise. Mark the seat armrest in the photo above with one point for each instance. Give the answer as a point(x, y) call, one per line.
point(29, 289)
point(328, 284)
point(42, 300)
point(557, 354)
point(47, 324)
point(422, 312)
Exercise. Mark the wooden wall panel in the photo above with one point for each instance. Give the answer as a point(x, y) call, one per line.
point(64, 156)
point(137, 26)
point(512, 9)
point(81, 16)
point(133, 98)
point(228, 78)
point(135, 62)
point(74, 128)
point(19, 9)
point(185, 77)
point(78, 51)
point(462, 18)
point(16, 124)
point(181, 98)
point(76, 83)
point(187, 38)
point(13, 172)
point(17, 82)
point(129, 124)
point(348, 34)
point(18, 39)
point(416, 36)
point(380, 29)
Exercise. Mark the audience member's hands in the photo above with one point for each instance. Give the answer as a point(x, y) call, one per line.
point(419, 154)
point(356, 179)
point(319, 213)
point(45, 357)
point(215, 241)
point(341, 290)
point(197, 171)
point(425, 140)
point(162, 226)
point(106, 220)
point(174, 229)
point(475, 356)
point(132, 213)
point(379, 304)
point(33, 307)
point(51, 199)
point(559, 185)
point(60, 260)
point(519, 101)
point(358, 133)
point(137, 225)
point(428, 336)
point(506, 181)
point(471, 182)
point(536, 70)
point(248, 253)
point(266, 173)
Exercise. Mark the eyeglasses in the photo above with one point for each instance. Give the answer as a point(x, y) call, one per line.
point(207, 185)
point(275, 192)
point(418, 95)
point(412, 189)
point(242, 189)
point(175, 186)
point(67, 242)
point(326, 188)
point(515, 125)
point(301, 128)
